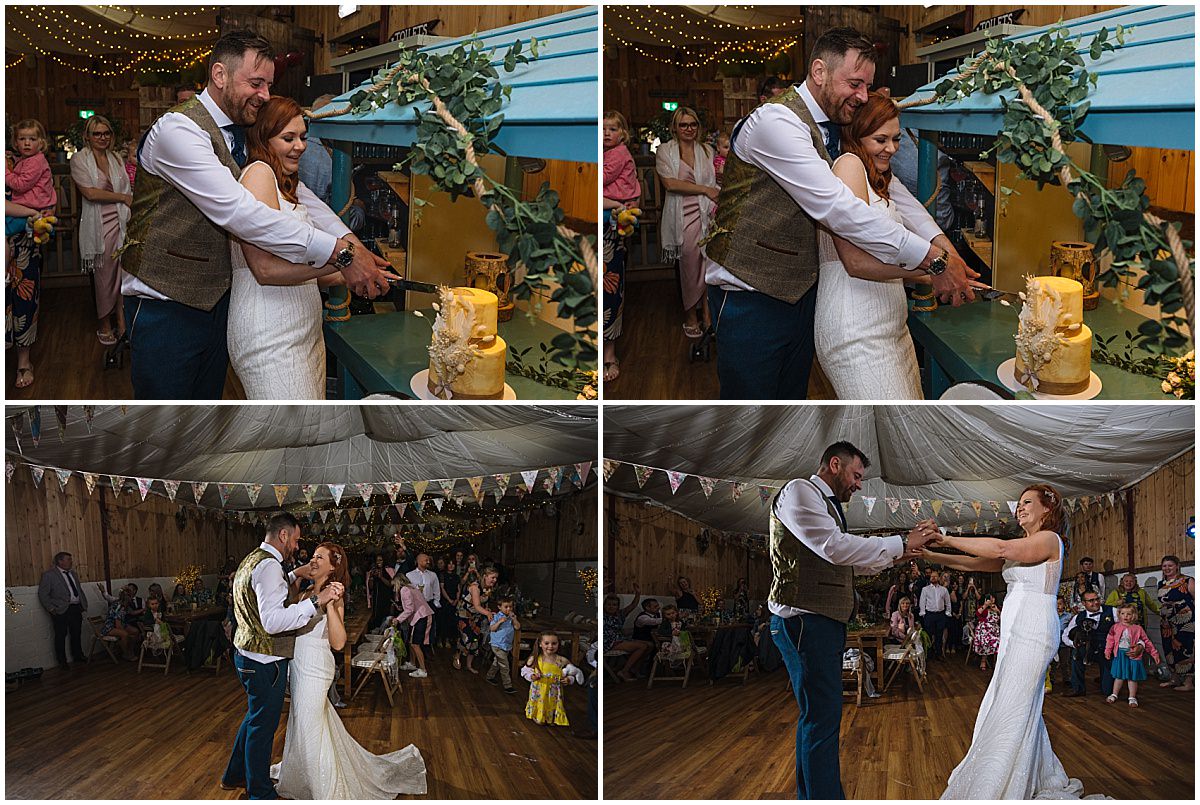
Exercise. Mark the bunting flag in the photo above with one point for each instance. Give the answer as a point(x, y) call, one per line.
point(548, 485)
point(225, 490)
point(365, 491)
point(419, 488)
point(60, 414)
point(502, 480)
point(476, 484)
point(63, 476)
point(1012, 507)
point(16, 429)
point(528, 477)
point(1086, 499)
point(738, 488)
point(609, 467)
point(521, 493)
point(89, 481)
point(764, 494)
point(124, 410)
point(977, 505)
point(35, 425)
point(369, 511)
point(869, 502)
point(556, 473)
point(936, 505)
point(252, 491)
point(198, 488)
point(914, 506)
point(460, 499)
point(957, 507)
point(675, 478)
point(281, 492)
point(393, 490)
point(400, 507)
point(117, 483)
point(417, 504)
point(324, 514)
point(172, 487)
point(497, 493)
point(144, 487)
point(583, 468)
point(893, 504)
point(439, 502)
point(309, 491)
point(353, 514)
point(706, 484)
point(336, 490)
point(995, 507)
point(642, 474)
point(447, 485)
point(1112, 499)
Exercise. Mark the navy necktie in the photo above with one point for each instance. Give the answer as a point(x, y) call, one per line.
point(238, 152)
point(833, 137)
point(841, 513)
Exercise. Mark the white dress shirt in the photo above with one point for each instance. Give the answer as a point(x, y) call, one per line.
point(775, 140)
point(71, 585)
point(178, 151)
point(271, 588)
point(802, 509)
point(427, 582)
point(935, 598)
point(1066, 634)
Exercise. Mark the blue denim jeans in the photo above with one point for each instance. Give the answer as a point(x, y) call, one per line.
point(812, 647)
point(250, 761)
point(764, 346)
point(177, 352)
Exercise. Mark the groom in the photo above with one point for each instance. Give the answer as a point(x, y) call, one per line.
point(186, 205)
point(778, 189)
point(264, 643)
point(812, 597)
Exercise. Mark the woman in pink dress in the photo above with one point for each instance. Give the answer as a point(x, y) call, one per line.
point(102, 181)
point(685, 165)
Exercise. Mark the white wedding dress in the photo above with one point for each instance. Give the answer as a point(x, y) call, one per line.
point(320, 759)
point(1010, 755)
point(274, 334)
point(861, 327)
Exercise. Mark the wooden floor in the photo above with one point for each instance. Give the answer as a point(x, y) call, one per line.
point(653, 352)
point(737, 742)
point(68, 359)
point(106, 732)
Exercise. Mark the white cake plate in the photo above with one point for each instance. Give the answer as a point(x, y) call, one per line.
point(1007, 374)
point(420, 387)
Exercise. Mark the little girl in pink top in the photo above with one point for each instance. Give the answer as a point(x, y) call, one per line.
point(621, 185)
point(414, 619)
point(1126, 638)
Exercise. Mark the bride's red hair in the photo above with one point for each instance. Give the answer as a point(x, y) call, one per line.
point(340, 565)
point(273, 117)
point(1055, 518)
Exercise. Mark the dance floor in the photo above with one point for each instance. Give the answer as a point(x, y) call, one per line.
point(106, 732)
point(737, 742)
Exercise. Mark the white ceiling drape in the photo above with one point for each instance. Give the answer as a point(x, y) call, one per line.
point(917, 452)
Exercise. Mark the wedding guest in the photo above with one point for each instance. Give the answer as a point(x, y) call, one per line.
point(614, 624)
point(935, 613)
point(181, 596)
point(684, 598)
point(104, 185)
point(721, 148)
point(770, 87)
point(900, 588)
point(953, 584)
point(128, 155)
point(741, 599)
point(1096, 580)
point(970, 601)
point(415, 620)
point(1063, 660)
point(1127, 642)
point(685, 166)
point(184, 92)
point(474, 615)
point(1177, 613)
point(902, 620)
point(621, 190)
point(1081, 587)
point(116, 622)
point(1129, 592)
point(61, 594)
point(156, 591)
point(547, 673)
point(137, 606)
point(920, 582)
point(503, 627)
point(1090, 652)
point(444, 615)
point(316, 163)
point(428, 583)
point(987, 630)
point(647, 620)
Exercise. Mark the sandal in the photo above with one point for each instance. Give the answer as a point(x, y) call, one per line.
point(24, 384)
point(693, 330)
point(107, 339)
point(612, 370)
point(1133, 702)
point(1112, 697)
point(457, 662)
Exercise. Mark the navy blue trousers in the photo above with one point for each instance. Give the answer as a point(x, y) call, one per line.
point(250, 762)
point(764, 346)
point(177, 352)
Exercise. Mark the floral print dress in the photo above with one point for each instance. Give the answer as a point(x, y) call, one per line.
point(987, 632)
point(1177, 609)
point(545, 704)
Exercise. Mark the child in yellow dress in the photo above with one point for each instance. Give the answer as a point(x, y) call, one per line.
point(547, 673)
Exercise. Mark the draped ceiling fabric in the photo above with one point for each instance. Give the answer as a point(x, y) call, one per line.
point(318, 444)
point(116, 30)
point(916, 452)
point(680, 26)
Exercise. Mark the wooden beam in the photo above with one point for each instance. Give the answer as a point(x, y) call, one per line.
point(1130, 561)
point(104, 541)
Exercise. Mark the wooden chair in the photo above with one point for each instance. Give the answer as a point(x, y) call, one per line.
point(107, 641)
point(663, 659)
point(910, 653)
point(969, 639)
point(853, 671)
point(380, 662)
point(612, 659)
point(172, 648)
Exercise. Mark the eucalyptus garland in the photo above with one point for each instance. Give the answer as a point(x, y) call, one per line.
point(465, 97)
point(1051, 84)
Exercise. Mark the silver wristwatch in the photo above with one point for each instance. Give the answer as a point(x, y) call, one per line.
point(938, 264)
point(345, 257)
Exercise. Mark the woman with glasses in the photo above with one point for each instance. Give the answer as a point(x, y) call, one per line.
point(685, 165)
point(102, 181)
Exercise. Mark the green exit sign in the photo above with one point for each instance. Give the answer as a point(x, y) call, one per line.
point(670, 106)
point(86, 113)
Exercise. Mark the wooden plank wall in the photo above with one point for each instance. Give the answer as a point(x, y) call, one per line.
point(1162, 504)
point(144, 540)
point(1170, 176)
point(576, 183)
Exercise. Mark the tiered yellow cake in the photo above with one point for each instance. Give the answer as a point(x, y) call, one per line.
point(1054, 346)
point(467, 356)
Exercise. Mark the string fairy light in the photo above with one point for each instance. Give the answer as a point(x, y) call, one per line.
point(73, 23)
point(675, 26)
point(10, 64)
point(180, 59)
point(763, 52)
point(183, 12)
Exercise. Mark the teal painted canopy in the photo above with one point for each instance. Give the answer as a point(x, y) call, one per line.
point(1145, 95)
point(552, 111)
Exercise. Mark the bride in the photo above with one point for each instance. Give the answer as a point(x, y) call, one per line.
point(861, 329)
point(275, 342)
point(1010, 755)
point(320, 759)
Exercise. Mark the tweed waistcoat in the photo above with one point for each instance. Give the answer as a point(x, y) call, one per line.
point(761, 235)
point(169, 244)
point(250, 635)
point(803, 580)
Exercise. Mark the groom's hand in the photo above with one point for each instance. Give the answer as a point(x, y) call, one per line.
point(365, 276)
point(951, 286)
point(332, 592)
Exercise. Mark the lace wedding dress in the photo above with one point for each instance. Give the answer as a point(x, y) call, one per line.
point(274, 333)
point(861, 327)
point(320, 759)
point(1010, 755)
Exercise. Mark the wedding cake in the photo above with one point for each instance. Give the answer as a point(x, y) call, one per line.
point(1054, 346)
point(466, 356)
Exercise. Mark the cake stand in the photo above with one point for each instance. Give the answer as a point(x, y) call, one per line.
point(420, 387)
point(1006, 372)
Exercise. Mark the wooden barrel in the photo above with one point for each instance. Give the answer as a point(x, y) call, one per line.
point(488, 271)
point(1076, 261)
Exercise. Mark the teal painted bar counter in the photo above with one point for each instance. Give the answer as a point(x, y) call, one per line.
point(381, 352)
point(970, 342)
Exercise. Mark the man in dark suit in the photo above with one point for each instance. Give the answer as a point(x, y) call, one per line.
point(1085, 634)
point(61, 594)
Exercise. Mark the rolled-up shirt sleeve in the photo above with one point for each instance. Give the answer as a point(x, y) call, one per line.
point(775, 140)
point(178, 151)
point(271, 588)
point(801, 508)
